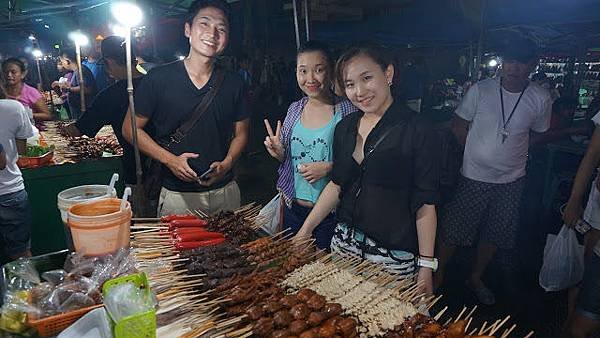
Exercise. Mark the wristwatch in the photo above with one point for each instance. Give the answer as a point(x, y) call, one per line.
point(431, 263)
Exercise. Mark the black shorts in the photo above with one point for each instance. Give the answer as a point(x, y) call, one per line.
point(588, 299)
point(484, 211)
point(15, 223)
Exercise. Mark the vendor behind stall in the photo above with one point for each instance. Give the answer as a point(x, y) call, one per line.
point(15, 213)
point(110, 106)
point(68, 57)
point(15, 71)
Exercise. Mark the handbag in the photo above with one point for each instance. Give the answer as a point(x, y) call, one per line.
point(153, 181)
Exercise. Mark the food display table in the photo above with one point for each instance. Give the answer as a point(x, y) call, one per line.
point(77, 161)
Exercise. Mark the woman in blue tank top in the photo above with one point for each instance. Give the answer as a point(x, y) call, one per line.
point(303, 143)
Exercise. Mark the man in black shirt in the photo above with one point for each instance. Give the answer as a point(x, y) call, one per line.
point(168, 96)
point(68, 59)
point(110, 106)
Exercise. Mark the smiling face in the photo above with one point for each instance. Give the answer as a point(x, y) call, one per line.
point(313, 73)
point(13, 74)
point(367, 85)
point(209, 32)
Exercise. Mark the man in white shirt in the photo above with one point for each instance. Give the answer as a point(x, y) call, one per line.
point(494, 122)
point(15, 213)
point(586, 317)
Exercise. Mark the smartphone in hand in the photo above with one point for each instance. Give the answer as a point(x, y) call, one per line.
point(204, 176)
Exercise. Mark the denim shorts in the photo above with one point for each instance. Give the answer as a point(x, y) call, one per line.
point(15, 223)
point(588, 299)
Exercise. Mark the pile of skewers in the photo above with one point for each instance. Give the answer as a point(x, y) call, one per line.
point(217, 263)
point(274, 287)
point(238, 226)
point(380, 301)
point(72, 150)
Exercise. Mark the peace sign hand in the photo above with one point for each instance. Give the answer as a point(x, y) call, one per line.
point(273, 141)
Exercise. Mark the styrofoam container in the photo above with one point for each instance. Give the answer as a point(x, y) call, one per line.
point(95, 324)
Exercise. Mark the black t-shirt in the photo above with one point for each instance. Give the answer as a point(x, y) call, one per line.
point(110, 107)
point(74, 99)
point(381, 196)
point(167, 96)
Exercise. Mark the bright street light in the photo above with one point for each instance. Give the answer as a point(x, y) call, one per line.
point(37, 53)
point(31, 37)
point(78, 38)
point(127, 13)
point(493, 63)
point(119, 30)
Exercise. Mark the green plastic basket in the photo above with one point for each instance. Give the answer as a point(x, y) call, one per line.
point(141, 325)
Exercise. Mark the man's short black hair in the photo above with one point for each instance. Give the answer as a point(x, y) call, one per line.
point(69, 53)
point(518, 48)
point(198, 5)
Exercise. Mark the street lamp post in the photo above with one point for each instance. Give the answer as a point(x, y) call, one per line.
point(37, 54)
point(80, 40)
point(129, 15)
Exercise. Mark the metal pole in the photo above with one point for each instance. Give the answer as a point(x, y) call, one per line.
point(296, 25)
point(81, 81)
point(136, 149)
point(306, 20)
point(37, 61)
point(481, 36)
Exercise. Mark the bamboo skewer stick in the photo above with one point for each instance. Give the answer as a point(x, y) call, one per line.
point(460, 314)
point(434, 302)
point(482, 328)
point(508, 332)
point(471, 312)
point(468, 324)
point(496, 328)
point(440, 314)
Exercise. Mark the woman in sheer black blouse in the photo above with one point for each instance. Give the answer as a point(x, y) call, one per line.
point(385, 173)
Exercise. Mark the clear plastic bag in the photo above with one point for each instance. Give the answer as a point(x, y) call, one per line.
point(127, 299)
point(54, 277)
point(563, 261)
point(21, 275)
point(269, 217)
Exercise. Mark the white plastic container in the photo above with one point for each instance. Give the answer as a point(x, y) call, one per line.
point(85, 193)
point(95, 324)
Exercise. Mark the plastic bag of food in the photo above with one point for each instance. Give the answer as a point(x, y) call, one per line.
point(563, 261)
point(112, 266)
point(127, 299)
point(76, 301)
point(54, 276)
point(76, 292)
point(21, 275)
point(78, 264)
point(13, 315)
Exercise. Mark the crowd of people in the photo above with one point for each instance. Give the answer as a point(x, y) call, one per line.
point(359, 169)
